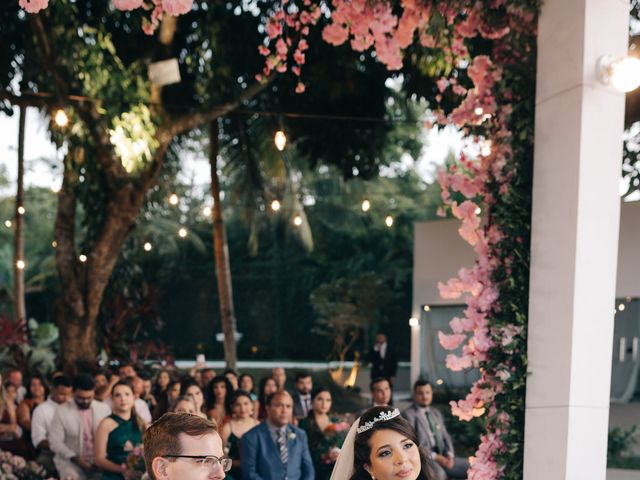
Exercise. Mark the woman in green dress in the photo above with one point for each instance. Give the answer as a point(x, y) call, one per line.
point(240, 423)
point(325, 433)
point(119, 435)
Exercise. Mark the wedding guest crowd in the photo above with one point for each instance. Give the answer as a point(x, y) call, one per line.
point(93, 426)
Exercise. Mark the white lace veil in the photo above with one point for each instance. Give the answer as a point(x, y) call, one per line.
point(343, 469)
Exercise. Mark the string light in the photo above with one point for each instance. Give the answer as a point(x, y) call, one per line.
point(61, 118)
point(622, 73)
point(206, 211)
point(173, 199)
point(54, 244)
point(7, 223)
point(413, 322)
point(182, 233)
point(388, 221)
point(297, 220)
point(426, 308)
point(366, 205)
point(21, 210)
point(55, 188)
point(439, 381)
point(621, 307)
point(478, 111)
point(20, 264)
point(478, 211)
point(280, 139)
point(147, 246)
point(275, 205)
point(82, 257)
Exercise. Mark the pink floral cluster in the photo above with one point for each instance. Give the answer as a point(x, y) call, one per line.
point(286, 41)
point(157, 7)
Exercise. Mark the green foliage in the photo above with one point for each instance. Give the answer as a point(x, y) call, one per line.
point(620, 443)
point(38, 355)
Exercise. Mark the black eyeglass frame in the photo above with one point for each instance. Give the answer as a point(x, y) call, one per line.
point(203, 457)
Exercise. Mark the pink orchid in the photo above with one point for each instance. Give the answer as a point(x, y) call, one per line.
point(177, 7)
point(127, 4)
point(33, 6)
point(451, 342)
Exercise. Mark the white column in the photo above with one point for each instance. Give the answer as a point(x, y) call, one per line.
point(576, 205)
point(414, 371)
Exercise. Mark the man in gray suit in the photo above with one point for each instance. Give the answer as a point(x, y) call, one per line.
point(432, 433)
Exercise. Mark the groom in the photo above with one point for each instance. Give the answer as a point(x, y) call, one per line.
point(275, 449)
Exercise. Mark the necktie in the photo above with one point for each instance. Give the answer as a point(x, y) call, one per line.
point(437, 432)
point(281, 440)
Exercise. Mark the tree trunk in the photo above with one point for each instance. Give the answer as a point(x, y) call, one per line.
point(221, 256)
point(84, 283)
point(18, 232)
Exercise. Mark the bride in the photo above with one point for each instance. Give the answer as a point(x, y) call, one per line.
point(381, 445)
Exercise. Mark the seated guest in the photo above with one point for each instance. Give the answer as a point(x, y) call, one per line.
point(72, 431)
point(302, 395)
point(142, 409)
point(184, 404)
point(41, 420)
point(10, 431)
point(101, 379)
point(246, 383)
point(166, 398)
point(36, 395)
point(206, 375)
point(126, 370)
point(325, 432)
point(232, 376)
point(14, 377)
point(147, 394)
point(280, 376)
point(267, 386)
point(240, 423)
point(163, 379)
point(276, 449)
point(118, 434)
point(380, 392)
point(218, 407)
point(191, 387)
point(184, 447)
point(432, 433)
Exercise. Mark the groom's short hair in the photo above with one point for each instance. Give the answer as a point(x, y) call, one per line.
point(162, 437)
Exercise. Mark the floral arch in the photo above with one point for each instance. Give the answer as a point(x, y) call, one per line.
point(489, 51)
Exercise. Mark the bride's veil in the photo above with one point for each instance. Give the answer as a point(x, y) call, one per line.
point(343, 469)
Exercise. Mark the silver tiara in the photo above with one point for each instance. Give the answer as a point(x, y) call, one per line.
point(383, 417)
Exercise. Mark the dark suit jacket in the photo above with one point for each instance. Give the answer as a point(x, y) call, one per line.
point(383, 367)
point(298, 410)
point(418, 420)
point(260, 457)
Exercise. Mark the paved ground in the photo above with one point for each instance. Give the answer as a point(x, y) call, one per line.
point(614, 474)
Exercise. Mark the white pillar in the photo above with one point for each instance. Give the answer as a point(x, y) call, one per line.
point(576, 205)
point(414, 371)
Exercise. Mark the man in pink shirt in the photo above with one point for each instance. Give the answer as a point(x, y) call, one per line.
point(73, 428)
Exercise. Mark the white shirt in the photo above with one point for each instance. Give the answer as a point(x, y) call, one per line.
point(41, 421)
point(142, 409)
point(382, 349)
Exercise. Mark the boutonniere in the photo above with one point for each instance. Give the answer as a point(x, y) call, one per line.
point(291, 436)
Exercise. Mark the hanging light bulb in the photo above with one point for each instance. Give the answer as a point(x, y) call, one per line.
point(478, 111)
point(388, 221)
point(206, 211)
point(61, 118)
point(297, 220)
point(275, 205)
point(20, 264)
point(147, 246)
point(182, 233)
point(54, 244)
point(478, 211)
point(173, 199)
point(82, 257)
point(21, 210)
point(7, 223)
point(280, 139)
point(366, 205)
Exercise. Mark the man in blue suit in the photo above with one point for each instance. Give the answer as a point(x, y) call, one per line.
point(275, 449)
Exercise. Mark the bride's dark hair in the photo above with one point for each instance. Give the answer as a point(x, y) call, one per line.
point(362, 449)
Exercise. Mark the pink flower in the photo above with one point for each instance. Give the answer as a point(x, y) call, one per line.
point(457, 363)
point(33, 6)
point(451, 342)
point(281, 47)
point(177, 7)
point(264, 50)
point(300, 88)
point(335, 34)
point(127, 4)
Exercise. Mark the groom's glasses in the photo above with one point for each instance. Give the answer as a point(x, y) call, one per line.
point(210, 461)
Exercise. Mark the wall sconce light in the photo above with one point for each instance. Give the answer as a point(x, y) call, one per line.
point(621, 73)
